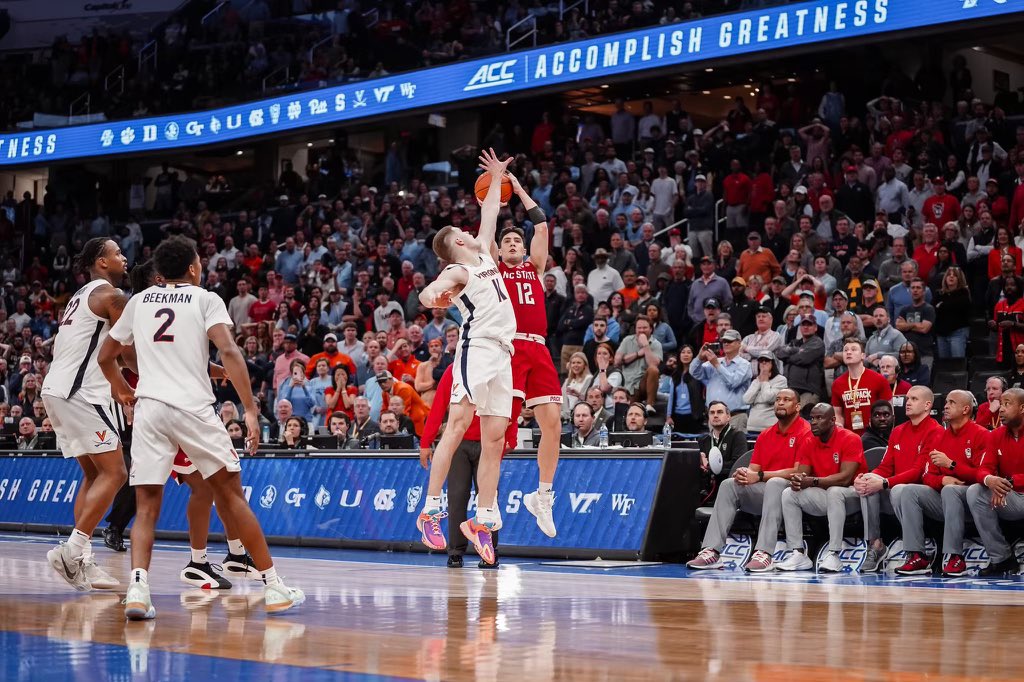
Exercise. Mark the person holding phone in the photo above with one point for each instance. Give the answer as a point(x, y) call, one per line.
point(295, 389)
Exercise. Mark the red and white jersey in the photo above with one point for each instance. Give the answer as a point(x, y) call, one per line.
point(526, 291)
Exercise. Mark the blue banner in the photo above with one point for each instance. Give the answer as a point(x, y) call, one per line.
point(601, 502)
point(656, 47)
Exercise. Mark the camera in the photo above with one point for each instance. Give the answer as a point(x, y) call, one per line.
point(714, 346)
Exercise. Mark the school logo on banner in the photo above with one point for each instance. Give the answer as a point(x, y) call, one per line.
point(852, 554)
point(737, 551)
point(896, 556)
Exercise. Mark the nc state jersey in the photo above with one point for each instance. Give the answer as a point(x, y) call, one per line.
point(527, 295)
point(484, 304)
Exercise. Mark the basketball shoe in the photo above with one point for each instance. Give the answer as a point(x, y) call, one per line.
point(97, 577)
point(204, 576)
point(429, 525)
point(69, 567)
point(480, 536)
point(240, 566)
point(540, 505)
point(138, 604)
point(279, 597)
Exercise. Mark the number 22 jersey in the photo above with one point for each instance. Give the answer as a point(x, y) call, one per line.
point(168, 325)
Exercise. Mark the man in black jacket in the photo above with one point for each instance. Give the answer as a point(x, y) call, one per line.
point(674, 299)
point(722, 445)
point(700, 211)
point(854, 198)
point(573, 323)
point(880, 427)
point(553, 304)
point(743, 308)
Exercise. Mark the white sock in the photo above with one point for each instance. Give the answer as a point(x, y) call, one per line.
point(199, 556)
point(432, 504)
point(270, 576)
point(486, 515)
point(140, 575)
point(236, 547)
point(79, 542)
point(544, 488)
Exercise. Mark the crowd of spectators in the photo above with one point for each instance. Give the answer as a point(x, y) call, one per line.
point(211, 53)
point(803, 237)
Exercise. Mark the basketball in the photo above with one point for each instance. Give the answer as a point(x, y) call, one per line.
point(483, 183)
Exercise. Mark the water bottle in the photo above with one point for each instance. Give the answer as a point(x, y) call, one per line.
point(666, 436)
point(602, 436)
point(265, 434)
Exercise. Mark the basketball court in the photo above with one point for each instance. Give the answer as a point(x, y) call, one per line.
point(379, 616)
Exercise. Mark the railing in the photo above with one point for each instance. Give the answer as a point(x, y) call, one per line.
point(679, 223)
point(114, 81)
point(371, 17)
point(269, 83)
point(80, 105)
point(209, 16)
point(532, 33)
point(147, 56)
point(312, 50)
point(564, 7)
point(719, 217)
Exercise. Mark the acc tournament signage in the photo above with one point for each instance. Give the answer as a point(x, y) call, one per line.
point(621, 53)
point(601, 503)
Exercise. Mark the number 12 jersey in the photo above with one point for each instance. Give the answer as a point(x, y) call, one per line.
point(527, 294)
point(168, 325)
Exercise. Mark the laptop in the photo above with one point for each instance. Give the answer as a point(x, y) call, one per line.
point(401, 441)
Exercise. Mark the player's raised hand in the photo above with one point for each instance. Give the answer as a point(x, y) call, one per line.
point(489, 162)
point(517, 189)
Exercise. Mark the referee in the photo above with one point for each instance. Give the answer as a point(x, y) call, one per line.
point(462, 474)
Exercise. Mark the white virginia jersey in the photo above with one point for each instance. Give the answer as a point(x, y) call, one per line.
point(168, 325)
point(487, 312)
point(74, 370)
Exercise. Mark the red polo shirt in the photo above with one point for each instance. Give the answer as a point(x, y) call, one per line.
point(825, 459)
point(908, 450)
point(737, 187)
point(853, 396)
point(776, 449)
point(1004, 457)
point(966, 448)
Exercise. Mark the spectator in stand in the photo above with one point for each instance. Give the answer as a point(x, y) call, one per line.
point(700, 212)
point(584, 434)
point(636, 418)
point(289, 354)
point(951, 466)
point(736, 190)
point(952, 314)
point(802, 362)
point(726, 378)
point(1008, 321)
point(916, 320)
point(763, 391)
point(603, 280)
point(28, 437)
point(1002, 246)
point(857, 389)
point(1015, 377)
point(940, 208)
point(577, 381)
point(854, 198)
point(706, 287)
point(573, 323)
point(363, 427)
point(685, 412)
point(885, 340)
point(640, 355)
point(296, 390)
point(912, 369)
point(414, 405)
point(764, 338)
point(757, 260)
point(988, 411)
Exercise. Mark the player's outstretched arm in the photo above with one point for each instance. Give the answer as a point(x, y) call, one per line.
point(539, 243)
point(492, 202)
point(440, 292)
point(238, 373)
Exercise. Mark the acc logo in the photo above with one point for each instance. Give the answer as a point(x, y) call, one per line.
point(412, 498)
point(622, 503)
point(736, 551)
point(384, 500)
point(975, 556)
point(294, 497)
point(491, 75)
point(582, 502)
point(852, 554)
point(782, 550)
point(323, 497)
point(896, 556)
point(268, 496)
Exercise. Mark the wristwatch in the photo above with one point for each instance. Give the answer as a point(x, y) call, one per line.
point(952, 465)
point(760, 475)
point(885, 484)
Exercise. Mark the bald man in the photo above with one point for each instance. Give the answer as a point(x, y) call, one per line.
point(902, 464)
point(1000, 492)
point(951, 467)
point(826, 466)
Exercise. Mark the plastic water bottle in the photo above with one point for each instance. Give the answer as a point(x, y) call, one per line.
point(666, 436)
point(602, 436)
point(265, 434)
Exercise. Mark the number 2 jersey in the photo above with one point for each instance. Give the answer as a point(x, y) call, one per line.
point(168, 325)
point(527, 294)
point(484, 303)
point(74, 370)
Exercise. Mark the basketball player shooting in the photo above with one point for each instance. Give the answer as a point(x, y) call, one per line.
point(482, 365)
point(534, 377)
point(171, 326)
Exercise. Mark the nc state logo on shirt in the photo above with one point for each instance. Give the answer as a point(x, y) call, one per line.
point(835, 457)
point(967, 453)
point(792, 441)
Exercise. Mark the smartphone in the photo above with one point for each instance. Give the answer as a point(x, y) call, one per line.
point(715, 347)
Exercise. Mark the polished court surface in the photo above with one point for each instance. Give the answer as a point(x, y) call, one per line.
point(377, 616)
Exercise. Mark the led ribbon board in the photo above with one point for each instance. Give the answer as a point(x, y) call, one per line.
point(621, 53)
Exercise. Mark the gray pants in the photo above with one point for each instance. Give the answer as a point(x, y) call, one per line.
point(873, 506)
point(834, 503)
point(739, 421)
point(949, 506)
point(737, 217)
point(702, 243)
point(986, 518)
point(808, 398)
point(759, 498)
